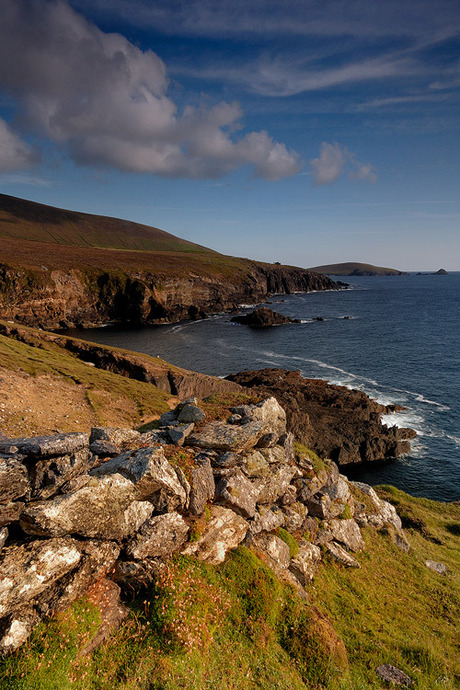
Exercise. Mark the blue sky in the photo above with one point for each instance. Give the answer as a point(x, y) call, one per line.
point(306, 132)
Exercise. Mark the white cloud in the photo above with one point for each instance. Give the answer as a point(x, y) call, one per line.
point(334, 161)
point(15, 153)
point(106, 101)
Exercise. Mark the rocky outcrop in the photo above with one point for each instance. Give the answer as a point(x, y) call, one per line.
point(237, 481)
point(263, 318)
point(336, 422)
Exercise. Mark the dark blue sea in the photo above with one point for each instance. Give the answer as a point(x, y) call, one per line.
point(399, 342)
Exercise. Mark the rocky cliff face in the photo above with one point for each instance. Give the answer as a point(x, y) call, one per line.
point(58, 298)
point(78, 511)
point(338, 423)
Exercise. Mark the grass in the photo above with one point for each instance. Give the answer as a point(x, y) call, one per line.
point(302, 452)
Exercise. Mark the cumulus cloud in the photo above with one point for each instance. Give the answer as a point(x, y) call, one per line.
point(334, 161)
point(15, 154)
point(106, 101)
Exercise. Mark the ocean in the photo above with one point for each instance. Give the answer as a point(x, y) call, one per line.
point(396, 338)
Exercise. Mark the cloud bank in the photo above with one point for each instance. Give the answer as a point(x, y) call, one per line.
point(105, 101)
point(334, 161)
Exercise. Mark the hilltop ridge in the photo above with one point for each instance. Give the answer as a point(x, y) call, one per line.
point(354, 268)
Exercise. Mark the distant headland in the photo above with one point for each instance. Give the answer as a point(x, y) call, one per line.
point(353, 268)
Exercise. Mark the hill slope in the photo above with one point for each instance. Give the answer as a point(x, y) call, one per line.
point(353, 268)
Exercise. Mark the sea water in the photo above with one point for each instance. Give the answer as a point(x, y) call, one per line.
point(397, 338)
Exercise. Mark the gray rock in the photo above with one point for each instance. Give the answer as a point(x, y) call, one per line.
point(273, 546)
point(135, 574)
point(3, 536)
point(224, 531)
point(439, 568)
point(276, 484)
point(310, 486)
point(150, 473)
point(158, 537)
point(114, 435)
point(28, 570)
point(393, 675)
point(10, 512)
point(179, 433)
point(168, 418)
point(190, 413)
point(287, 443)
point(305, 565)
point(103, 509)
point(222, 436)
point(347, 533)
point(341, 556)
point(276, 455)
point(229, 459)
point(17, 630)
point(155, 437)
point(289, 497)
point(14, 480)
point(294, 516)
point(238, 493)
point(338, 490)
point(266, 519)
point(49, 446)
point(269, 412)
point(104, 449)
point(202, 485)
point(255, 465)
point(48, 475)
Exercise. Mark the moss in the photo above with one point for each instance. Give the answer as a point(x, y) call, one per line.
point(289, 540)
point(302, 452)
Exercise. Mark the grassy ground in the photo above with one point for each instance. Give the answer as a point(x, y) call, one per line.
point(236, 626)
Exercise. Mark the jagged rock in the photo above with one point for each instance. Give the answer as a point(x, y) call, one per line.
point(310, 528)
point(28, 570)
point(114, 435)
point(155, 437)
point(269, 412)
point(266, 519)
point(338, 490)
point(10, 512)
point(179, 433)
point(190, 413)
point(202, 487)
point(394, 676)
point(439, 568)
point(263, 318)
point(305, 564)
point(255, 465)
point(150, 473)
point(3, 536)
point(49, 446)
point(289, 497)
point(385, 512)
point(347, 533)
point(135, 574)
point(238, 493)
point(276, 483)
point(104, 449)
point(17, 630)
point(168, 418)
point(307, 487)
point(222, 436)
point(319, 506)
point(389, 515)
point(14, 479)
point(273, 546)
point(225, 530)
point(294, 516)
point(103, 509)
point(342, 556)
point(158, 537)
point(105, 594)
point(287, 443)
point(48, 475)
point(276, 454)
point(227, 460)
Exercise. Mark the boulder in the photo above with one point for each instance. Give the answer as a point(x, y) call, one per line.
point(276, 484)
point(104, 449)
point(48, 475)
point(394, 676)
point(17, 629)
point(14, 479)
point(305, 564)
point(103, 509)
point(225, 530)
point(230, 437)
point(158, 537)
point(275, 454)
point(294, 516)
point(50, 446)
point(238, 493)
point(10, 512)
point(114, 435)
point(190, 413)
point(255, 465)
point(180, 433)
point(339, 554)
point(266, 519)
point(202, 485)
point(439, 568)
point(28, 570)
point(347, 533)
point(273, 546)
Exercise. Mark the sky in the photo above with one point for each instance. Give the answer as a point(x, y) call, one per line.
point(302, 131)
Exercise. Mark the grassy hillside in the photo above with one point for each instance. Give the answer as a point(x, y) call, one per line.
point(351, 268)
point(237, 627)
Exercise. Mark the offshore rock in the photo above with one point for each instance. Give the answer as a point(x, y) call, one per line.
point(264, 318)
point(224, 531)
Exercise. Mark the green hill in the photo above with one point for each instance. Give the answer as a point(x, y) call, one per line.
point(353, 268)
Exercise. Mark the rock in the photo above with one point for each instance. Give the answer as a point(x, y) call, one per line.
point(307, 487)
point(255, 465)
point(275, 454)
point(17, 630)
point(135, 574)
point(287, 443)
point(190, 413)
point(389, 515)
point(223, 436)
point(439, 568)
point(276, 484)
point(338, 490)
point(150, 473)
point(227, 460)
point(305, 564)
point(179, 433)
point(105, 594)
point(28, 570)
point(321, 507)
point(168, 418)
point(266, 519)
point(103, 509)
point(270, 413)
point(273, 546)
point(341, 556)
point(263, 318)
point(393, 675)
point(238, 493)
point(10, 512)
point(114, 435)
point(225, 530)
point(202, 487)
point(14, 479)
point(104, 449)
point(294, 516)
point(158, 537)
point(347, 533)
point(48, 475)
point(3, 536)
point(49, 446)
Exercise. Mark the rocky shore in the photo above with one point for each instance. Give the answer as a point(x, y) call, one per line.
point(105, 512)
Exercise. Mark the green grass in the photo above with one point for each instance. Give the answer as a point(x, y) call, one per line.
point(315, 461)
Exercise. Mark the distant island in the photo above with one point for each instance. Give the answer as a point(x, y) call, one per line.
point(353, 268)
